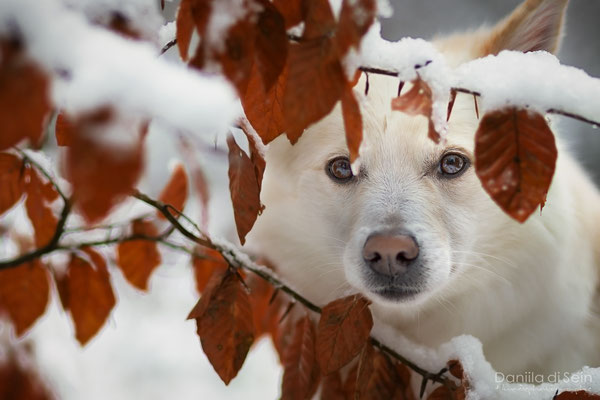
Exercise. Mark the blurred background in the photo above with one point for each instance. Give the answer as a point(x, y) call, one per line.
point(148, 350)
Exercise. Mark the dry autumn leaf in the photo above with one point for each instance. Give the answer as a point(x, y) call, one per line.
point(244, 189)
point(319, 21)
point(20, 383)
point(263, 109)
point(418, 101)
point(24, 292)
point(271, 44)
point(138, 258)
point(291, 10)
point(343, 330)
point(314, 84)
point(24, 96)
point(355, 19)
point(300, 366)
point(176, 191)
point(206, 267)
point(352, 122)
point(90, 295)
point(376, 379)
point(332, 388)
point(12, 181)
point(515, 158)
point(224, 321)
point(91, 166)
point(40, 214)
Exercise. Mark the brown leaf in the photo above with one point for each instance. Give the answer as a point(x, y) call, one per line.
point(24, 293)
point(42, 218)
point(24, 96)
point(263, 109)
point(265, 314)
point(185, 27)
point(376, 379)
point(332, 389)
point(244, 188)
point(403, 386)
point(237, 58)
point(92, 166)
point(176, 191)
point(315, 83)
point(91, 296)
point(515, 158)
point(62, 130)
point(224, 320)
point(344, 328)
point(578, 395)
point(138, 258)
point(352, 122)
point(301, 370)
point(20, 383)
point(204, 268)
point(271, 44)
point(350, 383)
point(11, 181)
point(319, 21)
point(441, 393)
point(418, 101)
point(355, 19)
point(291, 10)
point(123, 25)
point(256, 156)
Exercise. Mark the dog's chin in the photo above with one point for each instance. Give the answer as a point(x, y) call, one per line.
point(396, 294)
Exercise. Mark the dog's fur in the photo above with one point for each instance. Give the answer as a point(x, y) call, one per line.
point(527, 291)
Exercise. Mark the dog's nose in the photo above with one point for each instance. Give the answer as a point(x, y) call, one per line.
point(390, 254)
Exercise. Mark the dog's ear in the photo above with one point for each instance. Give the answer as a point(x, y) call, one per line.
point(534, 25)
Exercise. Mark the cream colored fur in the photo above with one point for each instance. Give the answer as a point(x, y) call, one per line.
point(527, 291)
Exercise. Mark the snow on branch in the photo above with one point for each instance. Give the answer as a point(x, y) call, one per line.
point(93, 67)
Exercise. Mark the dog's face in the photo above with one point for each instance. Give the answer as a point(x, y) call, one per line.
point(399, 229)
point(412, 221)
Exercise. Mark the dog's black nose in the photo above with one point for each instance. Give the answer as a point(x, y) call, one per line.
point(390, 254)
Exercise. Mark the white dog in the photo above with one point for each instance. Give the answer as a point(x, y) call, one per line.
point(415, 232)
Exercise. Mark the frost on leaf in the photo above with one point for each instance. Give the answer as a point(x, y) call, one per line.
point(352, 122)
point(244, 189)
point(176, 191)
point(418, 101)
point(205, 267)
point(92, 166)
point(138, 258)
point(11, 181)
point(24, 96)
point(301, 369)
point(90, 296)
point(224, 322)
point(39, 212)
point(24, 294)
point(343, 330)
point(515, 158)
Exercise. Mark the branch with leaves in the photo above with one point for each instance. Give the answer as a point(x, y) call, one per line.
point(353, 308)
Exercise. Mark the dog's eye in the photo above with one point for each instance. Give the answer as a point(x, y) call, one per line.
point(339, 169)
point(452, 165)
